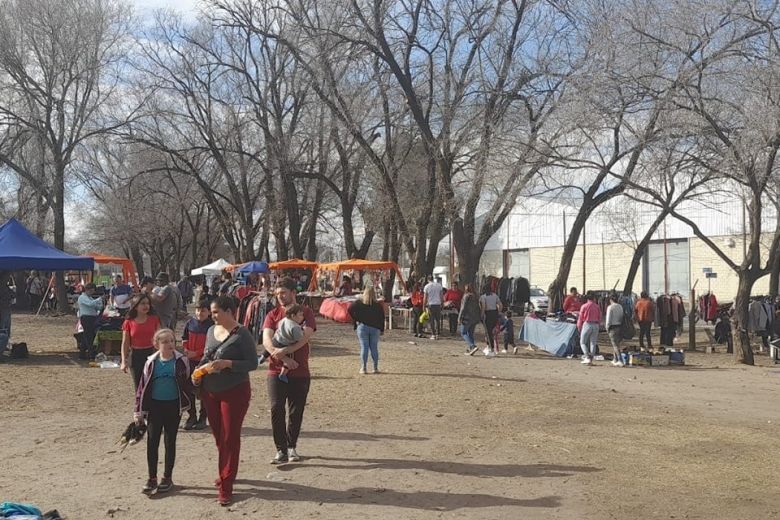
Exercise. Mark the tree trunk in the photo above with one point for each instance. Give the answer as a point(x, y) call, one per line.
point(58, 208)
point(743, 352)
point(639, 252)
point(558, 286)
point(774, 278)
point(138, 258)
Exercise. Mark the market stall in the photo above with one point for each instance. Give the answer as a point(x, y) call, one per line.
point(335, 308)
point(297, 264)
point(129, 272)
point(213, 269)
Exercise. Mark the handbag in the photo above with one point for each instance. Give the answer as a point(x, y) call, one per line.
point(211, 357)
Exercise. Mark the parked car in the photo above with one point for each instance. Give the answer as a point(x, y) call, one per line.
point(539, 300)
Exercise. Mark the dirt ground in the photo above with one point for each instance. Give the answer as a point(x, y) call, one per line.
point(437, 435)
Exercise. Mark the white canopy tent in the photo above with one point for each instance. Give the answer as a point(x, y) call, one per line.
point(213, 269)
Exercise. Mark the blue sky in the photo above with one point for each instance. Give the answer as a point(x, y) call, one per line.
point(186, 7)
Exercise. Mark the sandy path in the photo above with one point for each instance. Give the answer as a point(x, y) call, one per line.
point(438, 435)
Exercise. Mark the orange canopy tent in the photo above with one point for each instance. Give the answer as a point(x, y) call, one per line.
point(297, 263)
point(129, 272)
point(362, 265)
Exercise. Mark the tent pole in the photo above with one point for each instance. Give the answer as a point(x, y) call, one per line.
point(45, 295)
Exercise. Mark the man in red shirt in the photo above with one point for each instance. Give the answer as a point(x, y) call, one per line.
point(294, 392)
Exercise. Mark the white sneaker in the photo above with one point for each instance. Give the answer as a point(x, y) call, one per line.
point(598, 358)
point(292, 455)
point(615, 363)
point(362, 371)
point(504, 351)
point(433, 337)
point(586, 361)
point(490, 353)
point(486, 351)
point(514, 350)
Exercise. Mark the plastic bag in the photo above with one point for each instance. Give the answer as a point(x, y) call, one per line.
point(424, 317)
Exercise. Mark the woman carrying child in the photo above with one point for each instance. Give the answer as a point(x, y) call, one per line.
point(164, 392)
point(138, 331)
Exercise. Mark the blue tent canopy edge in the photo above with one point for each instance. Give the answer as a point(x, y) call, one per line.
point(22, 250)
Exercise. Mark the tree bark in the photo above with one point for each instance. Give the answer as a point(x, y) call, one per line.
point(639, 252)
point(743, 352)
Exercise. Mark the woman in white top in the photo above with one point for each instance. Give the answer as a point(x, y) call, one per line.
point(490, 306)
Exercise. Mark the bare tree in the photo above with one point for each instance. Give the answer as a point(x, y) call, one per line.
point(59, 77)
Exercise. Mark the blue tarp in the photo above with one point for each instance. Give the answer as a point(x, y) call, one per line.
point(254, 267)
point(556, 337)
point(21, 250)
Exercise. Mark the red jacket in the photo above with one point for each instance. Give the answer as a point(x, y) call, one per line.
point(417, 299)
point(195, 333)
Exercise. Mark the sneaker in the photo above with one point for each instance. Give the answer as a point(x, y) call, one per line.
point(376, 371)
point(490, 354)
point(433, 337)
point(362, 371)
point(150, 487)
point(200, 424)
point(190, 424)
point(586, 361)
point(166, 485)
point(514, 350)
point(504, 351)
point(292, 455)
point(281, 458)
point(486, 351)
point(615, 363)
point(472, 351)
point(599, 357)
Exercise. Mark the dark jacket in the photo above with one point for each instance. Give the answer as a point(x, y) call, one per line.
point(470, 313)
point(143, 396)
point(371, 315)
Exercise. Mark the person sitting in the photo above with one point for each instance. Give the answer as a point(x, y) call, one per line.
point(120, 295)
point(345, 289)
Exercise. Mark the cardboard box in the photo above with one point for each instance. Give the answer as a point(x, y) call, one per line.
point(677, 358)
point(639, 359)
point(659, 361)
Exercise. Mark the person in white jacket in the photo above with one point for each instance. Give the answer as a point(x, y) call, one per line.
point(614, 323)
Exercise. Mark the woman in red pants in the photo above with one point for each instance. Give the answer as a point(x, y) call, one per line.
point(229, 356)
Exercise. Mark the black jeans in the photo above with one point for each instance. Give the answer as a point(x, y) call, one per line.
point(88, 323)
point(281, 395)
point(193, 411)
point(435, 321)
point(137, 361)
point(453, 317)
point(644, 332)
point(163, 417)
point(491, 319)
point(417, 327)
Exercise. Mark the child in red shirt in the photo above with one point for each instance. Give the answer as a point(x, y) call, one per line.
point(194, 343)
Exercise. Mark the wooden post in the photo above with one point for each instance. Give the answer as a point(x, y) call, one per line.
point(692, 322)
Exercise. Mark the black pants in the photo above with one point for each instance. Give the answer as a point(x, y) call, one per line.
point(163, 417)
point(193, 411)
point(453, 317)
point(508, 340)
point(281, 395)
point(417, 327)
point(644, 332)
point(435, 313)
point(137, 361)
point(491, 319)
point(88, 323)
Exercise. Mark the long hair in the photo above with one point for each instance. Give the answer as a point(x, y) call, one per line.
point(469, 288)
point(369, 296)
point(133, 312)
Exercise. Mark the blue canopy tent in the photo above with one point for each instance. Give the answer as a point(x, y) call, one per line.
point(253, 267)
point(21, 250)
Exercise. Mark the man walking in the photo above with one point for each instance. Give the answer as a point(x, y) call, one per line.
point(290, 395)
point(432, 299)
